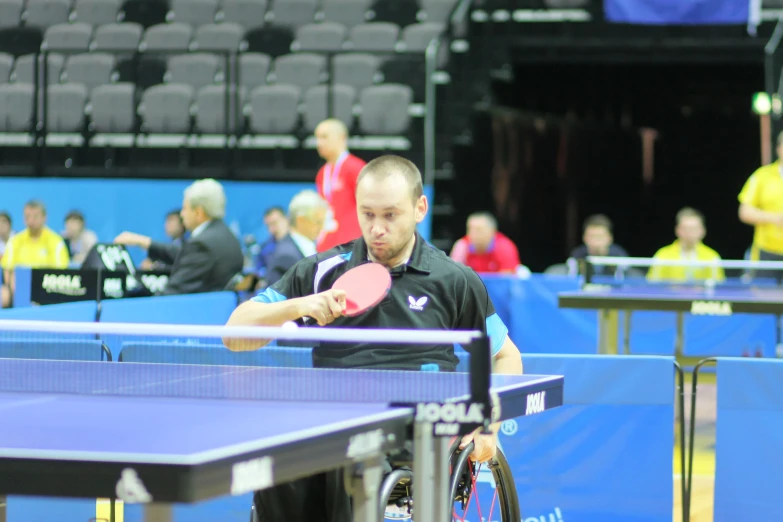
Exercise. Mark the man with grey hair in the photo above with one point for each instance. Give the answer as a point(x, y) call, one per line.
point(307, 214)
point(211, 256)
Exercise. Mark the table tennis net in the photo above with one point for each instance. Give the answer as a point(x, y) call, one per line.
point(189, 361)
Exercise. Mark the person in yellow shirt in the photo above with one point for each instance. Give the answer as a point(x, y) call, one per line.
point(690, 232)
point(37, 246)
point(761, 205)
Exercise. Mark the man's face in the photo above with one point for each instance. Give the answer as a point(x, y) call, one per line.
point(173, 226)
point(328, 141)
point(480, 233)
point(191, 216)
point(277, 224)
point(310, 225)
point(388, 215)
point(5, 228)
point(73, 227)
point(34, 219)
point(597, 239)
point(690, 231)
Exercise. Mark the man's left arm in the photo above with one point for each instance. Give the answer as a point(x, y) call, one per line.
point(195, 264)
point(508, 256)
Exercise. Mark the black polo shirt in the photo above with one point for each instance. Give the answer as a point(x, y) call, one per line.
point(431, 291)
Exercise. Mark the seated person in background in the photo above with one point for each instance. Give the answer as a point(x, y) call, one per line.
point(307, 215)
point(483, 248)
point(37, 246)
point(175, 230)
point(690, 231)
point(211, 257)
point(5, 231)
point(598, 241)
point(277, 225)
point(79, 239)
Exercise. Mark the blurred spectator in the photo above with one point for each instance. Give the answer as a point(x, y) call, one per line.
point(209, 259)
point(175, 230)
point(597, 241)
point(78, 239)
point(688, 246)
point(307, 214)
point(277, 225)
point(761, 205)
point(483, 248)
point(5, 231)
point(336, 183)
point(37, 246)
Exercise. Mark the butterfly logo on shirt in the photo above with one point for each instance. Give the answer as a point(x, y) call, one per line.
point(417, 304)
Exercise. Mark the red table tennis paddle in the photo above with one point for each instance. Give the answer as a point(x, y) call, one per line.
point(365, 286)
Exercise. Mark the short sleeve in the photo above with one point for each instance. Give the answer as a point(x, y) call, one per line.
point(749, 195)
point(61, 257)
point(478, 312)
point(8, 261)
point(296, 282)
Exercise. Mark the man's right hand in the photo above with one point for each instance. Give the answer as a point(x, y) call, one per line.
point(324, 307)
point(133, 239)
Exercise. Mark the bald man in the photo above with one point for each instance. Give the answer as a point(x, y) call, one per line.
point(336, 183)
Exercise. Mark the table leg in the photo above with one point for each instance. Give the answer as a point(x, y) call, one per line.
point(627, 333)
point(2, 508)
point(444, 506)
point(608, 330)
point(679, 335)
point(424, 499)
point(365, 489)
point(158, 513)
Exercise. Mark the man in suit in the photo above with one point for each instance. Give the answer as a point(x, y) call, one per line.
point(210, 257)
point(307, 213)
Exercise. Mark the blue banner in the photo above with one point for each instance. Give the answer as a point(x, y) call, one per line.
point(748, 454)
point(678, 12)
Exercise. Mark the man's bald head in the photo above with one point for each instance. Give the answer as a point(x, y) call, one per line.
point(331, 138)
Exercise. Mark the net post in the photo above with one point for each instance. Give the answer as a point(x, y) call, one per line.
point(481, 377)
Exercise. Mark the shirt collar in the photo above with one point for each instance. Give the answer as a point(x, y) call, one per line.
point(419, 260)
point(305, 245)
point(199, 229)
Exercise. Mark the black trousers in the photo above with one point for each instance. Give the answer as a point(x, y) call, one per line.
point(320, 498)
point(777, 275)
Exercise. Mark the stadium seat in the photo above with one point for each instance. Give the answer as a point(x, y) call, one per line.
point(253, 69)
point(355, 69)
point(270, 39)
point(375, 36)
point(385, 109)
point(417, 37)
point(437, 10)
point(166, 109)
point(70, 37)
point(145, 12)
point(346, 12)
point(16, 107)
point(95, 12)
point(211, 110)
point(6, 64)
point(315, 109)
point(90, 69)
point(274, 109)
point(225, 37)
point(65, 107)
point(193, 12)
point(195, 69)
point(326, 36)
point(400, 12)
point(117, 37)
point(293, 13)
point(24, 72)
point(247, 13)
point(10, 13)
point(45, 13)
point(167, 37)
point(303, 69)
point(113, 108)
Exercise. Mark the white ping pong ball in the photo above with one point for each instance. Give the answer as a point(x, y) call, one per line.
point(289, 325)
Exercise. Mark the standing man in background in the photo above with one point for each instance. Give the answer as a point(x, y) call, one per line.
point(761, 205)
point(336, 183)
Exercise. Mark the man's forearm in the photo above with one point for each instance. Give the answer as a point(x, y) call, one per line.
point(252, 313)
point(754, 216)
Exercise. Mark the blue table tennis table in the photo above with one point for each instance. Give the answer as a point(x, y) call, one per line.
point(158, 434)
point(705, 299)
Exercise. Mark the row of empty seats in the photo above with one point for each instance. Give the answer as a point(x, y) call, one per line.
point(181, 109)
point(250, 13)
point(232, 37)
point(201, 69)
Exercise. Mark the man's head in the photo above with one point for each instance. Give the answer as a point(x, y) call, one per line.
point(34, 216)
point(276, 222)
point(307, 213)
point(173, 225)
point(74, 224)
point(331, 139)
point(5, 225)
point(597, 235)
point(204, 200)
point(690, 229)
point(390, 203)
point(481, 230)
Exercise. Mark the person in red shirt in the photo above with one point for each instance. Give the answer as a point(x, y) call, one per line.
point(484, 249)
point(336, 183)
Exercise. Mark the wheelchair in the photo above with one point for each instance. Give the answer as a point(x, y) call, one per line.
point(396, 489)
